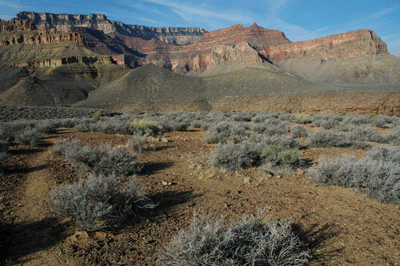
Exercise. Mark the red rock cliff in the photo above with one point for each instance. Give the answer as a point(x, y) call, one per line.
point(345, 45)
point(198, 56)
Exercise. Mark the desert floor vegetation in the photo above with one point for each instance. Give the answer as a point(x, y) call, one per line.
point(187, 189)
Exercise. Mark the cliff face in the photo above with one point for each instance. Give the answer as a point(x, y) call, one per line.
point(22, 45)
point(352, 57)
point(16, 25)
point(64, 22)
point(345, 45)
point(214, 47)
point(253, 44)
point(340, 58)
point(25, 32)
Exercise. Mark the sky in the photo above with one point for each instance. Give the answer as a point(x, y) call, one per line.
point(299, 20)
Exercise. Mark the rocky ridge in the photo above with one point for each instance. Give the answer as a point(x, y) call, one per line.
point(16, 34)
point(344, 45)
point(65, 22)
point(25, 32)
point(133, 46)
point(197, 57)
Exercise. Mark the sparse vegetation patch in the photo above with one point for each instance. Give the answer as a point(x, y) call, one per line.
point(247, 241)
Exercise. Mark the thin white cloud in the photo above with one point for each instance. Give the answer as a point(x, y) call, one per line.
point(361, 23)
point(276, 6)
point(148, 20)
point(391, 36)
point(189, 12)
point(11, 4)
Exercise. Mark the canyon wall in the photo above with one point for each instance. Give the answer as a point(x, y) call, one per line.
point(260, 45)
point(342, 58)
point(345, 45)
point(64, 22)
point(25, 32)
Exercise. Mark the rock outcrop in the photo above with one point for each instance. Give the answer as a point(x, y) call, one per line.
point(25, 32)
point(65, 22)
point(345, 46)
point(241, 52)
point(199, 56)
point(16, 25)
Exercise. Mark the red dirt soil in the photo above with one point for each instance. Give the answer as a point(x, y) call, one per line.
point(339, 225)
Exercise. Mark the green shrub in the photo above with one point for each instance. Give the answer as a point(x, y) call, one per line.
point(97, 115)
point(279, 156)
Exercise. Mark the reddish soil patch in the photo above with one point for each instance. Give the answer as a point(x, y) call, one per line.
point(339, 225)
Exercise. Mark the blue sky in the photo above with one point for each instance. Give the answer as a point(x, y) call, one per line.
point(300, 20)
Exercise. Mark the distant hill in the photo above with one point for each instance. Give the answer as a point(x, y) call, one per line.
point(154, 83)
point(50, 90)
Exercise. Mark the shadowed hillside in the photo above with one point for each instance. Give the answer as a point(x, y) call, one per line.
point(51, 90)
point(255, 87)
point(374, 69)
point(154, 83)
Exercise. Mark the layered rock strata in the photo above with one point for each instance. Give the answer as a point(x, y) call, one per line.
point(201, 55)
point(25, 32)
point(65, 22)
point(345, 45)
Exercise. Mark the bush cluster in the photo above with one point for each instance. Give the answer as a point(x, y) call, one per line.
point(366, 133)
point(96, 202)
point(224, 131)
point(28, 137)
point(375, 175)
point(99, 160)
point(138, 143)
point(13, 113)
point(298, 131)
point(235, 156)
point(277, 157)
point(247, 241)
point(327, 138)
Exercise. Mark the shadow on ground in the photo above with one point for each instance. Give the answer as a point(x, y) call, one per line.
point(21, 239)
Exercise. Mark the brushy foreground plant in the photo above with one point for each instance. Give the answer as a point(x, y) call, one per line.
point(394, 135)
point(223, 131)
point(138, 143)
point(100, 160)
point(248, 241)
point(98, 201)
point(276, 156)
point(298, 131)
point(327, 138)
point(379, 179)
point(28, 137)
point(235, 156)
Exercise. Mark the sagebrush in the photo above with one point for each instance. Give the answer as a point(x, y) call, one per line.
point(247, 241)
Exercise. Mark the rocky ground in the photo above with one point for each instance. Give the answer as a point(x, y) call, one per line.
point(339, 225)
